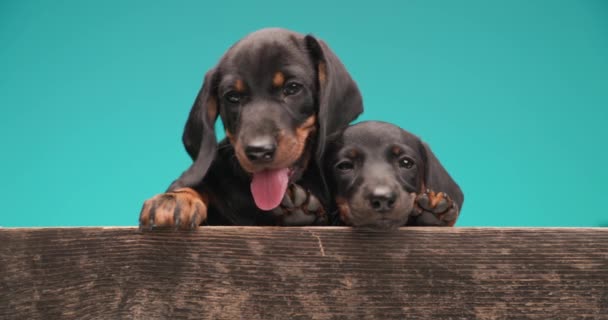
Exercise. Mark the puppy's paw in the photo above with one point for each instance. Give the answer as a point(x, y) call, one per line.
point(435, 209)
point(300, 207)
point(181, 209)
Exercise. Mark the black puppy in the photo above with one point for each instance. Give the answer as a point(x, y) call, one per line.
point(278, 94)
point(384, 177)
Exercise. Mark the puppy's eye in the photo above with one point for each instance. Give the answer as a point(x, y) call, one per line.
point(406, 163)
point(232, 97)
point(345, 166)
point(291, 88)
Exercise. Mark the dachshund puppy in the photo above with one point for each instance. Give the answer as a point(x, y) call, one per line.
point(383, 177)
point(279, 94)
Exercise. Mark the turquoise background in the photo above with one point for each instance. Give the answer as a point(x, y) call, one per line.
point(511, 95)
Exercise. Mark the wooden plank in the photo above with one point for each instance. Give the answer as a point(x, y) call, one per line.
point(304, 273)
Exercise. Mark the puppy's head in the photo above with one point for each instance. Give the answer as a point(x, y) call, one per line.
point(278, 93)
point(375, 171)
point(266, 93)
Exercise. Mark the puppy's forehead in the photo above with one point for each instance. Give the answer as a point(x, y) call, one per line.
point(265, 51)
point(375, 136)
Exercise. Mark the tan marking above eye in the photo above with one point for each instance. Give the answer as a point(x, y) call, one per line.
point(396, 150)
point(279, 79)
point(352, 153)
point(239, 85)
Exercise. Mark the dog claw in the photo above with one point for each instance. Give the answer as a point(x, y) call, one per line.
point(427, 219)
point(151, 222)
point(444, 204)
point(450, 215)
point(299, 195)
point(286, 202)
point(300, 207)
point(435, 209)
point(313, 204)
point(179, 210)
point(424, 201)
point(194, 223)
point(177, 217)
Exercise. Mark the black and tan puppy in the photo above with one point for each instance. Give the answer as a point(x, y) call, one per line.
point(384, 177)
point(278, 94)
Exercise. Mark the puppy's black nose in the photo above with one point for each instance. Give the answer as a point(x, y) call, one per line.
point(382, 199)
point(261, 150)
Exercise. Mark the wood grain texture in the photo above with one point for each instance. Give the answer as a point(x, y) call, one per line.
point(304, 273)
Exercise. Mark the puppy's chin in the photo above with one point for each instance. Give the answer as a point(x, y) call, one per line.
point(363, 217)
point(377, 222)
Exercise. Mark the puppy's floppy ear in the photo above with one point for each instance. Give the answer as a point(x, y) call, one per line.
point(437, 178)
point(199, 133)
point(339, 98)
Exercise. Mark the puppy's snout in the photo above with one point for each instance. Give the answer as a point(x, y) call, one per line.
point(261, 149)
point(382, 198)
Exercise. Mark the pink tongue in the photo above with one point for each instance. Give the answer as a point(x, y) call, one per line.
point(268, 188)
